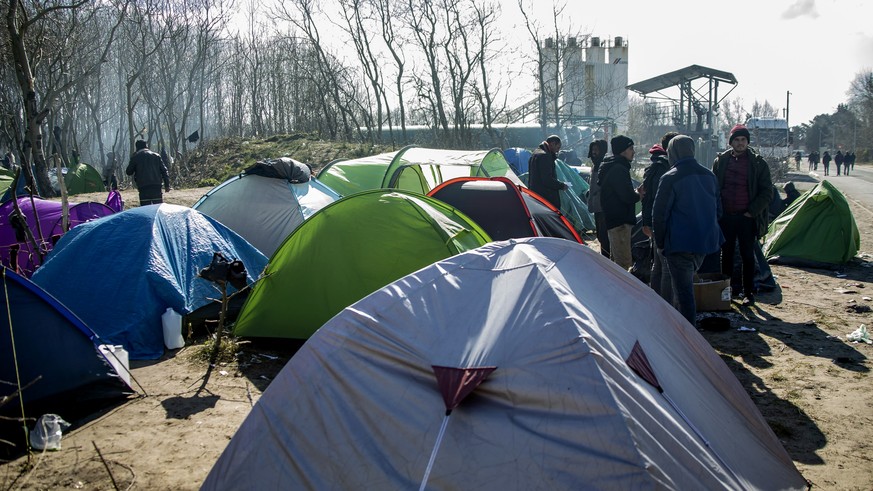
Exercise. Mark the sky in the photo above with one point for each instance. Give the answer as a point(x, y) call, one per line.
point(811, 48)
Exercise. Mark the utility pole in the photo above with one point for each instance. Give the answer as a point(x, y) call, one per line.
point(787, 124)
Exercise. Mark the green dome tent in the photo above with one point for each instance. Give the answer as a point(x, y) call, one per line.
point(83, 179)
point(347, 250)
point(414, 169)
point(818, 228)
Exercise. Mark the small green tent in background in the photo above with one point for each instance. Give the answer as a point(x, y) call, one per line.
point(817, 229)
point(83, 179)
point(5, 180)
point(347, 250)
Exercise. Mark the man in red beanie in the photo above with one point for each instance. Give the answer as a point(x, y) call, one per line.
point(746, 189)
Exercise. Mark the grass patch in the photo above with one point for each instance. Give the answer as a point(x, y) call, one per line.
point(227, 353)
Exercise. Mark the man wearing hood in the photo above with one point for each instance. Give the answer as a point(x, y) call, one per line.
point(746, 190)
point(660, 277)
point(685, 220)
point(618, 197)
point(542, 177)
point(596, 152)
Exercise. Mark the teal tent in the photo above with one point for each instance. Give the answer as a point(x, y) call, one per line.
point(574, 200)
point(414, 169)
point(818, 228)
point(347, 250)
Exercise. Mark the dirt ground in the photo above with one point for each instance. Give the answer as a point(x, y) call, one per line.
point(809, 382)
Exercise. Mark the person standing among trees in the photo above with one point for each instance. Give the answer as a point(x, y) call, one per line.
point(542, 177)
point(596, 152)
point(838, 160)
point(618, 197)
point(660, 277)
point(746, 189)
point(826, 162)
point(148, 171)
point(110, 181)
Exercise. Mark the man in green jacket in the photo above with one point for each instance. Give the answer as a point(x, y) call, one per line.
point(746, 189)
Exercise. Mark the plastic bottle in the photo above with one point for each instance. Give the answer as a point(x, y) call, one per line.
point(172, 322)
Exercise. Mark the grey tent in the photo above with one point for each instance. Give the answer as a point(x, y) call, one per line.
point(267, 202)
point(523, 364)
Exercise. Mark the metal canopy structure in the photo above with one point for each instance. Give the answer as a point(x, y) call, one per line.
point(698, 95)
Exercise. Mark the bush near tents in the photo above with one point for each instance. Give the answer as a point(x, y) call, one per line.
point(817, 229)
point(345, 251)
point(120, 274)
point(524, 364)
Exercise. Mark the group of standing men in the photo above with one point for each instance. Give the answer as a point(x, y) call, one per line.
point(688, 211)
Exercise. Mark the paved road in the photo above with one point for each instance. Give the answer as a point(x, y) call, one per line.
point(858, 186)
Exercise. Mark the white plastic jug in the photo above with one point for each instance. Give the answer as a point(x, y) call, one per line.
point(118, 358)
point(172, 322)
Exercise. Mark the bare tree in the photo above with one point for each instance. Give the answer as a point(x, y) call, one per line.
point(550, 55)
point(333, 77)
point(487, 90)
point(145, 32)
point(430, 37)
point(387, 11)
point(33, 43)
point(359, 19)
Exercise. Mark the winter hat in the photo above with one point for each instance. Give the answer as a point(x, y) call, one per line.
point(620, 143)
point(680, 147)
point(657, 150)
point(739, 130)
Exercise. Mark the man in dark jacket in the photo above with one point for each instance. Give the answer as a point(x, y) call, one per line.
point(685, 220)
point(660, 277)
point(746, 190)
point(596, 152)
point(148, 171)
point(618, 197)
point(542, 177)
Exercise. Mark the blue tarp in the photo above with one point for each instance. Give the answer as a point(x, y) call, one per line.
point(518, 159)
point(120, 274)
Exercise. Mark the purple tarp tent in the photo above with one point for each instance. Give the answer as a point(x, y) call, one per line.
point(17, 252)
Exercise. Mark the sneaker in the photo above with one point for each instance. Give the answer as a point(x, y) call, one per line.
point(750, 299)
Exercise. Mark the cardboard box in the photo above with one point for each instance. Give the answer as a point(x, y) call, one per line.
point(712, 292)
